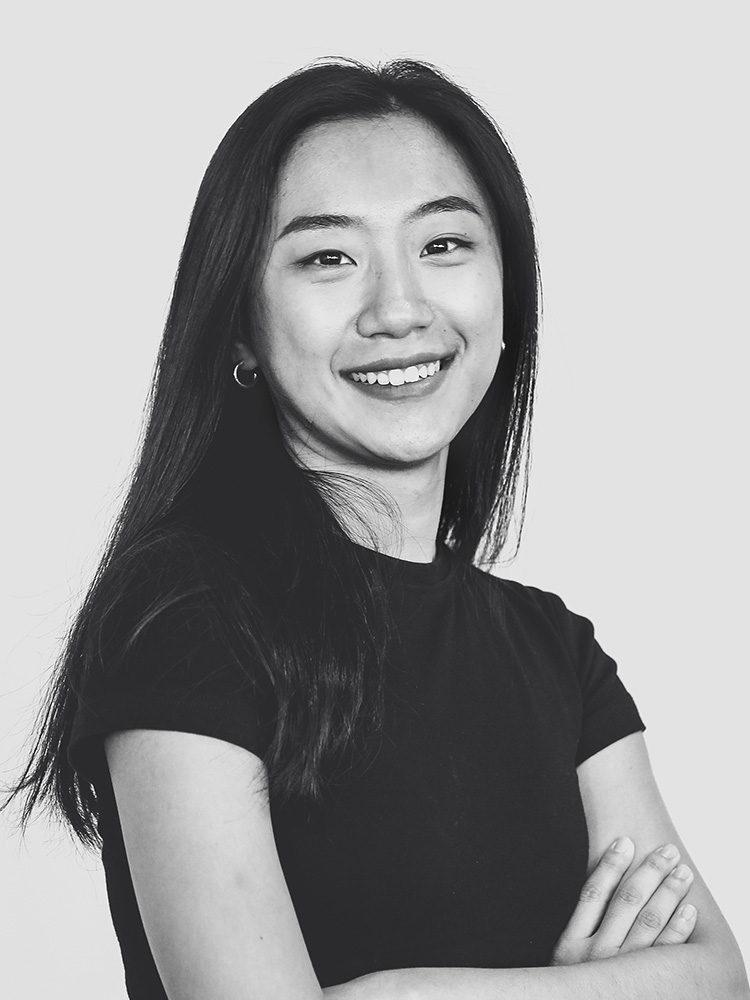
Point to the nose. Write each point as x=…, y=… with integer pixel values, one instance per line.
x=394, y=304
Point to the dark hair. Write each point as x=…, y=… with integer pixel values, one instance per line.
x=214, y=480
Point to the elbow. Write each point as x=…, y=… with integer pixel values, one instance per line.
x=739, y=987
x=736, y=973
x=729, y=979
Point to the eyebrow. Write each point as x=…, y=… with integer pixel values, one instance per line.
x=304, y=223
x=452, y=203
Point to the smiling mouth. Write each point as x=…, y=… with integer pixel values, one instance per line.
x=400, y=376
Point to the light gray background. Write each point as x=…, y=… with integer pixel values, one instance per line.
x=629, y=125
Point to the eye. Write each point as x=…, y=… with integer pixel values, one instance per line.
x=444, y=245
x=327, y=258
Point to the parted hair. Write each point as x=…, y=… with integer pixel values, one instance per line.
x=261, y=540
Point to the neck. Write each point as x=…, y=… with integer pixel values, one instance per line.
x=417, y=494
x=407, y=528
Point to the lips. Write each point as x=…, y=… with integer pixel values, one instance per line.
x=397, y=371
x=398, y=376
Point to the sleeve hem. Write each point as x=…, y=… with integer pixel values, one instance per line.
x=153, y=709
x=605, y=737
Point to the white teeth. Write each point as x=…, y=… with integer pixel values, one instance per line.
x=398, y=376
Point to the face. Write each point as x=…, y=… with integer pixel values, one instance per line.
x=381, y=302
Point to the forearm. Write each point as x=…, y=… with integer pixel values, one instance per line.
x=681, y=972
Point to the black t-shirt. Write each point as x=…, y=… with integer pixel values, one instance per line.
x=463, y=842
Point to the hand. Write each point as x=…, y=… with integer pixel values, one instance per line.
x=621, y=910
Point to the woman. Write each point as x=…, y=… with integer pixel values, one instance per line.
x=324, y=754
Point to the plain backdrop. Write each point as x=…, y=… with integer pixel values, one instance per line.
x=628, y=121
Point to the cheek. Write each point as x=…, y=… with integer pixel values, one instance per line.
x=293, y=337
x=472, y=297
x=478, y=316
x=296, y=353
x=489, y=312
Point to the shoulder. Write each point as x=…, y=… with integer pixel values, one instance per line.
x=540, y=623
x=172, y=586
x=167, y=557
x=527, y=603
x=560, y=644
x=169, y=646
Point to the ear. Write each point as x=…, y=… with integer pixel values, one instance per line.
x=245, y=354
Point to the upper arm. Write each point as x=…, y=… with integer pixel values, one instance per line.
x=207, y=878
x=621, y=798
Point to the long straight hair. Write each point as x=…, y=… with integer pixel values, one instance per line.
x=214, y=480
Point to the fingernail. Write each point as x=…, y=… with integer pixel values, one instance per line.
x=622, y=845
x=682, y=872
x=688, y=911
x=668, y=851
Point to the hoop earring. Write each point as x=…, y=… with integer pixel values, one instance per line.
x=236, y=374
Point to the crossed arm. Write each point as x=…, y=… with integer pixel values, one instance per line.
x=220, y=921
x=633, y=902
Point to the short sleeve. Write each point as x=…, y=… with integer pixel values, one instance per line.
x=608, y=712
x=167, y=657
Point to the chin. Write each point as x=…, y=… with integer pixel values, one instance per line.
x=409, y=454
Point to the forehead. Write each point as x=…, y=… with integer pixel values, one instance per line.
x=371, y=166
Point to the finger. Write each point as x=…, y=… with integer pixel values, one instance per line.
x=659, y=909
x=635, y=890
x=680, y=927
x=598, y=889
